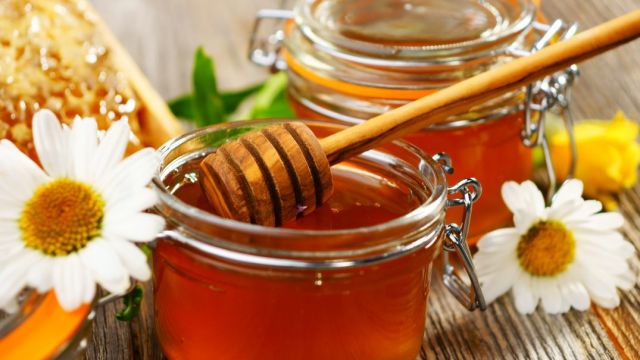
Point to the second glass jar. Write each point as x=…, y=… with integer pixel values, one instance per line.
x=352, y=60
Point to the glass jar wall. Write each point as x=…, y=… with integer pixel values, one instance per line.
x=40, y=329
x=352, y=60
x=334, y=284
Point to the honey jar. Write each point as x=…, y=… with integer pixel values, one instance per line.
x=351, y=60
x=41, y=329
x=349, y=280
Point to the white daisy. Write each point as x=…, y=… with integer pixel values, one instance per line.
x=73, y=224
x=564, y=255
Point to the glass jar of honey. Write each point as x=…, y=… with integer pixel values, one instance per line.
x=349, y=280
x=41, y=329
x=351, y=60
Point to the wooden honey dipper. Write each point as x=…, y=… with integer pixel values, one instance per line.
x=271, y=176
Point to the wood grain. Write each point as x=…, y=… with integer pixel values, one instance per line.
x=266, y=177
x=161, y=35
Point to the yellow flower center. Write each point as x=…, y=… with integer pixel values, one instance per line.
x=546, y=249
x=61, y=217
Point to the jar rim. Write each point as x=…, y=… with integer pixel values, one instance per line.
x=435, y=202
x=321, y=31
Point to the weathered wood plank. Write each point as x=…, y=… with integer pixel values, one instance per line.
x=500, y=332
x=608, y=83
x=110, y=338
x=623, y=322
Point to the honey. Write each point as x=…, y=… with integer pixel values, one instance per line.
x=354, y=195
x=375, y=312
x=491, y=152
x=353, y=60
x=349, y=280
x=52, y=56
x=41, y=329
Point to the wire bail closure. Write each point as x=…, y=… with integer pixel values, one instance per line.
x=265, y=50
x=469, y=295
x=551, y=93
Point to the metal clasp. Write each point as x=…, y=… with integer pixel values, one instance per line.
x=264, y=49
x=551, y=93
x=456, y=241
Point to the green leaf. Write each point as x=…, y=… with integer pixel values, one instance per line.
x=207, y=104
x=217, y=138
x=271, y=100
x=182, y=107
x=231, y=100
x=146, y=249
x=132, y=302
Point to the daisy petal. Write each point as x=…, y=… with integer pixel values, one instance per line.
x=125, y=206
x=131, y=174
x=626, y=280
x=83, y=146
x=11, y=213
x=550, y=296
x=576, y=294
x=523, y=220
x=569, y=191
x=560, y=211
x=12, y=278
x=525, y=201
x=10, y=250
x=603, y=292
x=512, y=196
x=607, y=302
x=137, y=227
x=68, y=282
x=604, y=259
x=20, y=175
x=499, y=239
x=50, y=143
x=598, y=222
x=132, y=258
x=585, y=209
x=105, y=266
x=111, y=148
x=489, y=263
x=89, y=287
x=498, y=284
x=534, y=201
x=524, y=298
x=39, y=275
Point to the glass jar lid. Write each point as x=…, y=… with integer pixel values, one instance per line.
x=412, y=29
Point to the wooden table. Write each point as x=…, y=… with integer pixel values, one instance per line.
x=162, y=35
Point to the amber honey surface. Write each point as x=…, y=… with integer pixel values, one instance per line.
x=490, y=151
x=211, y=309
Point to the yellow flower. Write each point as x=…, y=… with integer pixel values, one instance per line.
x=608, y=156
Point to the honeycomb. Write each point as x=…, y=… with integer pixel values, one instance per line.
x=52, y=56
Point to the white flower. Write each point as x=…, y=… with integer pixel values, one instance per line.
x=73, y=224
x=564, y=255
